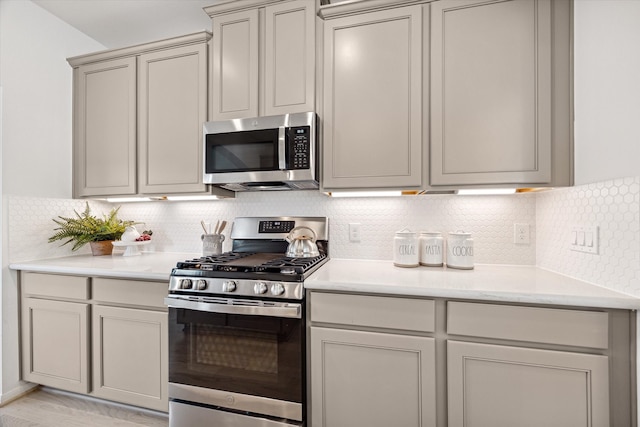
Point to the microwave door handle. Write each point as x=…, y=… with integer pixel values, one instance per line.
x=282, y=157
x=285, y=310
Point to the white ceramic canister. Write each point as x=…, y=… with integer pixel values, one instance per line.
x=405, y=249
x=431, y=248
x=460, y=250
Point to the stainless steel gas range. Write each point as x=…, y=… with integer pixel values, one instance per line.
x=237, y=332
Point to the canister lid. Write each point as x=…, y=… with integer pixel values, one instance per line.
x=405, y=232
x=459, y=234
x=431, y=233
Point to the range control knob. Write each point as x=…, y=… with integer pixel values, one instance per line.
x=277, y=289
x=229, y=286
x=259, y=288
x=201, y=285
x=185, y=284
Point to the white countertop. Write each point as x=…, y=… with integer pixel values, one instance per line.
x=147, y=265
x=522, y=284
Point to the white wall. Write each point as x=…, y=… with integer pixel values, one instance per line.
x=36, y=133
x=607, y=89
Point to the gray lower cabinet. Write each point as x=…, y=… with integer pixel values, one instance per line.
x=506, y=386
x=130, y=342
x=372, y=379
x=107, y=338
x=402, y=361
x=54, y=331
x=55, y=343
x=369, y=378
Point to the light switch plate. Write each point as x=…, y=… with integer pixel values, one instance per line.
x=584, y=239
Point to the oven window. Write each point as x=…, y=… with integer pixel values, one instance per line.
x=255, y=355
x=216, y=347
x=242, y=151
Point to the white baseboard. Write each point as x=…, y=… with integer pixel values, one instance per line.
x=22, y=389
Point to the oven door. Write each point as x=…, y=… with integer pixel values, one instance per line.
x=243, y=355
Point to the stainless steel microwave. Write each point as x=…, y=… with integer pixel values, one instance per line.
x=262, y=153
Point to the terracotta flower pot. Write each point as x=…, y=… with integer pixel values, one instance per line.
x=104, y=247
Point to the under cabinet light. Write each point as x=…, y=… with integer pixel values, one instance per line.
x=365, y=193
x=191, y=198
x=127, y=199
x=486, y=191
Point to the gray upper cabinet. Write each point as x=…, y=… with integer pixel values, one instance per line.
x=263, y=58
x=138, y=115
x=372, y=115
x=172, y=105
x=447, y=94
x=289, y=74
x=500, y=93
x=235, y=65
x=104, y=146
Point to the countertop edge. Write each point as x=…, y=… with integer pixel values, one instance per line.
x=92, y=272
x=486, y=296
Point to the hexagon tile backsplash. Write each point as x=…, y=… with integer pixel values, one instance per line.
x=614, y=207
x=176, y=226
x=611, y=205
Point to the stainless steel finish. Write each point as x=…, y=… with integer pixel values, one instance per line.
x=302, y=246
x=182, y=414
x=235, y=306
x=291, y=290
x=247, y=227
x=259, y=288
x=292, y=179
x=282, y=158
x=277, y=289
x=201, y=285
x=185, y=284
x=228, y=286
x=236, y=401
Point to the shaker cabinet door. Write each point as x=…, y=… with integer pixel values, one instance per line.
x=373, y=100
x=130, y=356
x=235, y=63
x=491, y=92
x=172, y=105
x=289, y=85
x=370, y=379
x=55, y=344
x=503, y=386
x=105, y=128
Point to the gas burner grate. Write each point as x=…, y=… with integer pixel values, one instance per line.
x=232, y=262
x=213, y=259
x=288, y=265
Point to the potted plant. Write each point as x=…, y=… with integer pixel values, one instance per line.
x=86, y=228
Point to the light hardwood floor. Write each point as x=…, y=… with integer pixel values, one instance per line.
x=45, y=407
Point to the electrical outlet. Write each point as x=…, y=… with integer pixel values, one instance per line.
x=354, y=232
x=521, y=234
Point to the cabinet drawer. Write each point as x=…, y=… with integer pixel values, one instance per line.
x=130, y=292
x=55, y=285
x=534, y=324
x=373, y=311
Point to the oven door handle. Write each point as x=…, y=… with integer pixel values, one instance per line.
x=289, y=310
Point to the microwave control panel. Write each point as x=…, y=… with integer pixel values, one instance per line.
x=298, y=147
